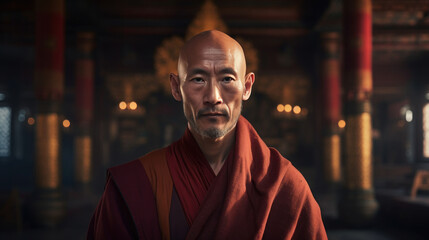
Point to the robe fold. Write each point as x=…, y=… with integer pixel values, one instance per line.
x=258, y=194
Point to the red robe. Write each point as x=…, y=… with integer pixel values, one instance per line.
x=257, y=194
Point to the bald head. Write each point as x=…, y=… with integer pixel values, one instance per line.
x=213, y=43
x=212, y=83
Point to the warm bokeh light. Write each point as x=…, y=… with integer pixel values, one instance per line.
x=133, y=105
x=31, y=121
x=288, y=108
x=280, y=108
x=66, y=123
x=122, y=105
x=342, y=124
x=297, y=109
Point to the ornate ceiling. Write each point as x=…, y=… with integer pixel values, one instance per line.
x=283, y=34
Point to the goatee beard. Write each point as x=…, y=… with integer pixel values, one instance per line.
x=214, y=133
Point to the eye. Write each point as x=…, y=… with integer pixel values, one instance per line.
x=228, y=79
x=197, y=80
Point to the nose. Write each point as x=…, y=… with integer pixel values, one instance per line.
x=212, y=94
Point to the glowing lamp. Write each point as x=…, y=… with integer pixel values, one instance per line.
x=66, y=123
x=122, y=105
x=288, y=108
x=133, y=105
x=297, y=109
x=31, y=121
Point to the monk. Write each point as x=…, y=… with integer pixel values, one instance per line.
x=220, y=180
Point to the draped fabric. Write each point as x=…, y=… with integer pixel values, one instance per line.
x=127, y=209
x=191, y=173
x=257, y=194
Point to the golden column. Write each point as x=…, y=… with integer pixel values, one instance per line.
x=48, y=205
x=358, y=205
x=84, y=93
x=330, y=76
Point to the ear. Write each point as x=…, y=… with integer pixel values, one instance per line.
x=175, y=87
x=248, y=83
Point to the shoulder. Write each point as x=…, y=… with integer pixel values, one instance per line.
x=153, y=159
x=149, y=159
x=156, y=169
x=292, y=180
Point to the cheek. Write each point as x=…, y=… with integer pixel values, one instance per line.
x=234, y=92
x=190, y=103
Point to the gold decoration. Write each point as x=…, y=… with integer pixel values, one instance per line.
x=284, y=88
x=47, y=151
x=83, y=159
x=166, y=59
x=131, y=87
x=207, y=19
x=167, y=55
x=331, y=161
x=358, y=152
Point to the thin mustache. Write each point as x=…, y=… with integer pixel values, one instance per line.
x=211, y=110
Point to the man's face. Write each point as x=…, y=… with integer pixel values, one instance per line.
x=212, y=88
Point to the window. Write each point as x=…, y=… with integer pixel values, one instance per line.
x=5, y=131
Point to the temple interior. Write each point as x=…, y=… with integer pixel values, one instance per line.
x=341, y=91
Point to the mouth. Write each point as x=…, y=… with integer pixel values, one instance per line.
x=213, y=114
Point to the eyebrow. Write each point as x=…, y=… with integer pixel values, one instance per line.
x=228, y=70
x=200, y=71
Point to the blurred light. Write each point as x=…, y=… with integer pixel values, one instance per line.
x=31, y=121
x=427, y=96
x=409, y=116
x=133, y=105
x=297, y=109
x=2, y=96
x=122, y=105
x=66, y=123
x=342, y=124
x=288, y=108
x=404, y=109
x=280, y=108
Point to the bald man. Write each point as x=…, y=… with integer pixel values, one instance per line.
x=220, y=180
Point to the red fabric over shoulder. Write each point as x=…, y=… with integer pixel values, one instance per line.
x=127, y=209
x=257, y=194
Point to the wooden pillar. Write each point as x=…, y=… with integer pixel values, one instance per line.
x=84, y=107
x=330, y=77
x=358, y=205
x=49, y=206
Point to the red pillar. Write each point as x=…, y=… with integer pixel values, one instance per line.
x=358, y=205
x=49, y=207
x=84, y=93
x=330, y=77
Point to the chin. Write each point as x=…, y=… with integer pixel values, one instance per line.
x=214, y=133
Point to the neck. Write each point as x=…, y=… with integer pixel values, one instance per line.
x=215, y=150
